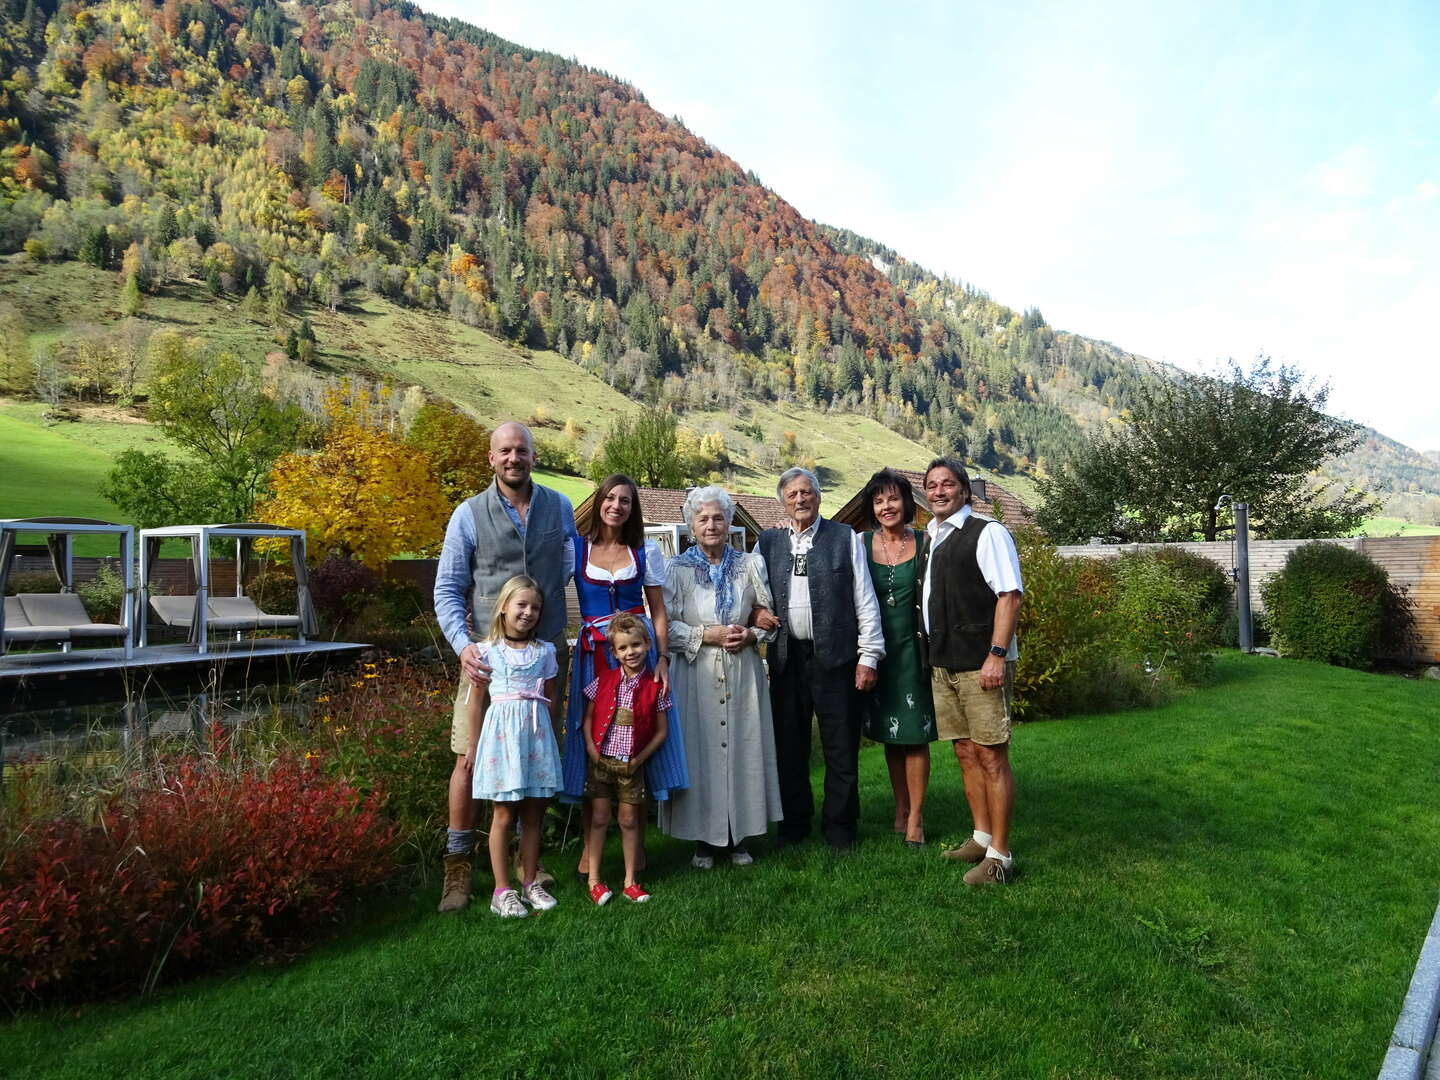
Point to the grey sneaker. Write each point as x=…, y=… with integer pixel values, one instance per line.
x=537, y=897
x=990, y=872
x=508, y=905
x=969, y=851
x=704, y=857
x=741, y=857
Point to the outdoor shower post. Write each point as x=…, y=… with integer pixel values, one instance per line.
x=1242, y=576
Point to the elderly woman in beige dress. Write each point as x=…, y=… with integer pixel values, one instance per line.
x=717, y=681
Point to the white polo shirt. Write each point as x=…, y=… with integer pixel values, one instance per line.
x=995, y=553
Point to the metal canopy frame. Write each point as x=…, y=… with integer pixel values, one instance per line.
x=201, y=535
x=68, y=529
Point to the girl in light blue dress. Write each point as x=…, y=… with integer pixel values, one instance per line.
x=513, y=758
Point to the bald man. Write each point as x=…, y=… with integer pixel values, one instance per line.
x=515, y=526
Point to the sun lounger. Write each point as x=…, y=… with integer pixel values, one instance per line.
x=178, y=611
x=19, y=629
x=66, y=610
x=226, y=614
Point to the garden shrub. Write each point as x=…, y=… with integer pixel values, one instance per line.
x=34, y=581
x=340, y=587
x=104, y=594
x=203, y=865
x=1166, y=610
x=1327, y=603
x=1068, y=655
x=272, y=587
x=1213, y=592
x=1399, y=637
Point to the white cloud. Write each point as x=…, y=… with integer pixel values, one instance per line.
x=1350, y=174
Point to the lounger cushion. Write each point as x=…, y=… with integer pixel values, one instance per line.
x=174, y=610
x=64, y=610
x=227, y=612
x=14, y=613
x=35, y=633
x=18, y=628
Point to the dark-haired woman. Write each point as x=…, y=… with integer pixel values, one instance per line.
x=900, y=713
x=617, y=569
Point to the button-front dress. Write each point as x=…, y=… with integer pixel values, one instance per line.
x=729, y=738
x=900, y=710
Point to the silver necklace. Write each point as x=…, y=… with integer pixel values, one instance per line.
x=890, y=583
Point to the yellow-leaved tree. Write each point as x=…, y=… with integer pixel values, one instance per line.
x=366, y=494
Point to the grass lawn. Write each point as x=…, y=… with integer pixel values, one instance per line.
x=1236, y=885
x=44, y=473
x=577, y=489
x=1385, y=526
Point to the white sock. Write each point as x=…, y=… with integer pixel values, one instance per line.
x=982, y=838
x=1005, y=860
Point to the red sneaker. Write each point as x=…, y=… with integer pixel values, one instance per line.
x=636, y=893
x=600, y=893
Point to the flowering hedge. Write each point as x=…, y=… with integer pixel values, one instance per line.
x=199, y=865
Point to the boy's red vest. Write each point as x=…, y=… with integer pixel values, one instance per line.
x=647, y=693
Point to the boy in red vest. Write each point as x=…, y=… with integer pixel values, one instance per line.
x=625, y=722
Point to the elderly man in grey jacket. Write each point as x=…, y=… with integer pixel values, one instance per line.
x=824, y=657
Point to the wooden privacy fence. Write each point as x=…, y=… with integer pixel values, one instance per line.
x=1411, y=561
x=173, y=577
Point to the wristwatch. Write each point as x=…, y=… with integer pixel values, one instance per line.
x=998, y=650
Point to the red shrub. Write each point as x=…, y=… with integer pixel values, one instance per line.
x=207, y=866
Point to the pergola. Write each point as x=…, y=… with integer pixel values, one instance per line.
x=204, y=615
x=59, y=533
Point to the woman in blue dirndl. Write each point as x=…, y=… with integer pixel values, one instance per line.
x=617, y=569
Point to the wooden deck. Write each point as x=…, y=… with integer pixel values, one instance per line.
x=97, y=663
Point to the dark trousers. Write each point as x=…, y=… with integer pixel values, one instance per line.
x=797, y=692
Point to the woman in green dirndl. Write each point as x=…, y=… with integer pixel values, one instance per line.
x=899, y=713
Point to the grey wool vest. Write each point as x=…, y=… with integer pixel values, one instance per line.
x=500, y=554
x=832, y=594
x=962, y=604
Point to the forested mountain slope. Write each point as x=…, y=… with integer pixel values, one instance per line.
x=292, y=157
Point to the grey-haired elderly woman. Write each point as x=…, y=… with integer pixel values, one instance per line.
x=717, y=681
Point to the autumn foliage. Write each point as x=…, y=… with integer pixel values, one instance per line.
x=199, y=865
x=366, y=494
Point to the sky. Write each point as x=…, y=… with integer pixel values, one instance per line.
x=1192, y=182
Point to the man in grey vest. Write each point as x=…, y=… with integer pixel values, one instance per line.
x=969, y=603
x=825, y=655
x=514, y=526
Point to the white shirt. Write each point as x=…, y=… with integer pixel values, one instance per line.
x=654, y=568
x=995, y=553
x=799, y=622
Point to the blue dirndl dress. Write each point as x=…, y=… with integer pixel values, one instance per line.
x=600, y=600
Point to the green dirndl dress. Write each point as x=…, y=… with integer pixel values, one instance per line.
x=899, y=710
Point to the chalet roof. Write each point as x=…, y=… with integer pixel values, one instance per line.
x=765, y=509
x=997, y=503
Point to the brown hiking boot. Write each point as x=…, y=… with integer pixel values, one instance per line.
x=456, y=892
x=969, y=851
x=990, y=872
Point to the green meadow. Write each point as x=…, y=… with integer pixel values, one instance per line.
x=1233, y=885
